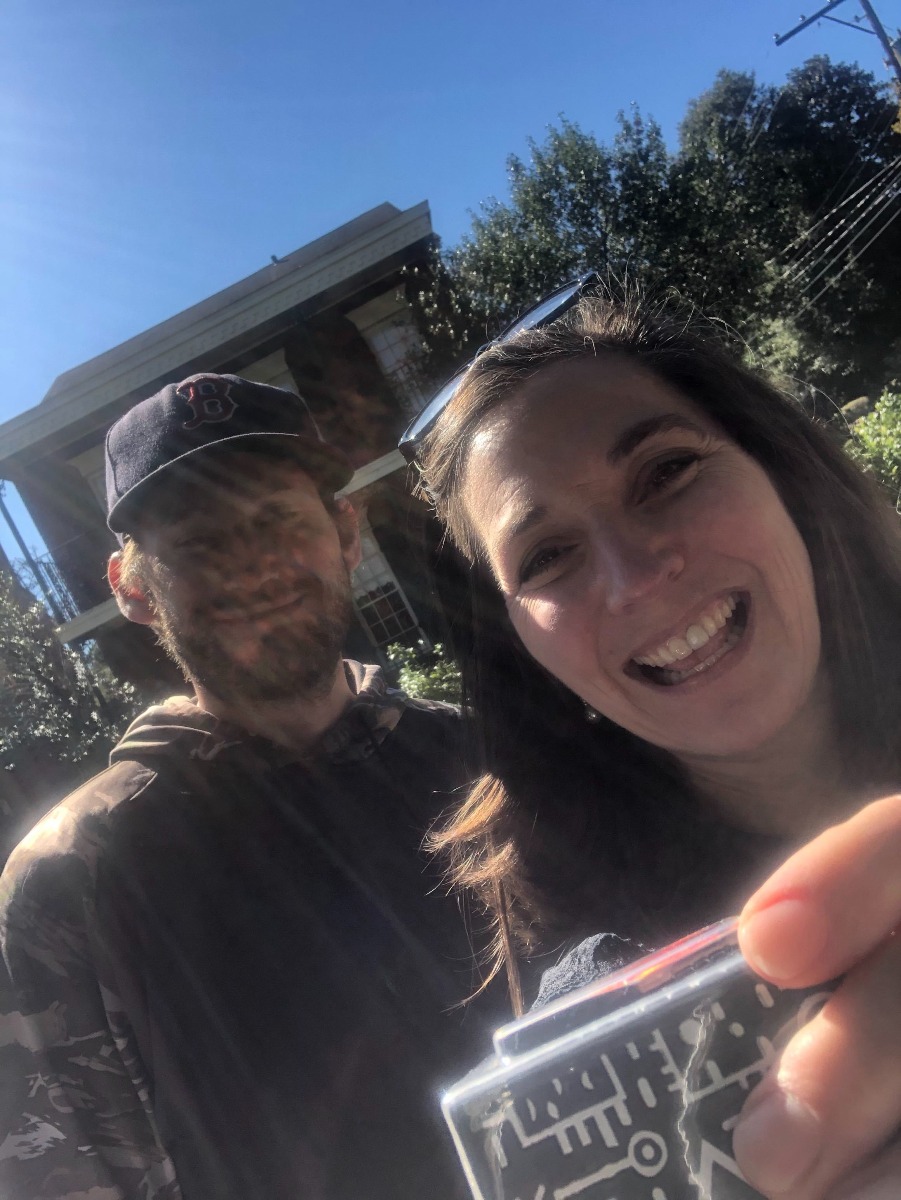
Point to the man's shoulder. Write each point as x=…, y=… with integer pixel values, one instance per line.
x=68, y=840
x=440, y=710
x=431, y=720
x=428, y=748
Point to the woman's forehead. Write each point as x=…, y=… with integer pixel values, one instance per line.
x=581, y=406
x=570, y=428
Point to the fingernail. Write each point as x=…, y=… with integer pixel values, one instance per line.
x=784, y=939
x=776, y=1142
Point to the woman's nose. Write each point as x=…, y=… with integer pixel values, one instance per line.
x=633, y=567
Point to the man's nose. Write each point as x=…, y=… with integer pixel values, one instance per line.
x=253, y=556
x=633, y=565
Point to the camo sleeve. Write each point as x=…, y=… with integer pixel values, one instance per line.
x=75, y=1115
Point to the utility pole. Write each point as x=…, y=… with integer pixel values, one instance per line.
x=894, y=60
x=779, y=39
x=893, y=55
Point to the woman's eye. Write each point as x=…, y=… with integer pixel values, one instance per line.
x=542, y=561
x=664, y=473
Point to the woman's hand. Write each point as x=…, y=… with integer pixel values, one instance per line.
x=823, y=1124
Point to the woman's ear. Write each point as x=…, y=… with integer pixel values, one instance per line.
x=133, y=603
x=348, y=532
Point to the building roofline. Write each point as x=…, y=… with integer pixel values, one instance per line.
x=202, y=328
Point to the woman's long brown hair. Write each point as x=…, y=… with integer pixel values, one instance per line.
x=576, y=827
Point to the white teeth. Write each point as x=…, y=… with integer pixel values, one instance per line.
x=697, y=636
x=678, y=647
x=694, y=638
x=672, y=677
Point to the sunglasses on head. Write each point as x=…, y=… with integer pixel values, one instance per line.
x=545, y=312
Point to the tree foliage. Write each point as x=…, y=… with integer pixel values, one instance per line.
x=52, y=709
x=876, y=443
x=426, y=674
x=760, y=217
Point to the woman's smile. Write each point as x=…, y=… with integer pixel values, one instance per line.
x=702, y=644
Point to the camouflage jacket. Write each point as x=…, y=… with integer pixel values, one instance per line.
x=231, y=972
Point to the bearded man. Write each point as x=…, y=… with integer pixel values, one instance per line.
x=230, y=970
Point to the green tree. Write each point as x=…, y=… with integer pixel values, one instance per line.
x=575, y=206
x=762, y=207
x=803, y=175
x=51, y=709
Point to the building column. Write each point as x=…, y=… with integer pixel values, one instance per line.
x=273, y=369
x=387, y=326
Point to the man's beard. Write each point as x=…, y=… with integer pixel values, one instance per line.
x=293, y=660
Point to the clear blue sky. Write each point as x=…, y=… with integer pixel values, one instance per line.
x=155, y=152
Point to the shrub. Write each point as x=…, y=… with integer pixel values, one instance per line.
x=876, y=442
x=427, y=674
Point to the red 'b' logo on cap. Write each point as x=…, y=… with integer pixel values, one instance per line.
x=208, y=397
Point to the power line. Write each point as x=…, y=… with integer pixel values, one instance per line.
x=885, y=198
x=857, y=158
x=744, y=108
x=832, y=242
x=854, y=257
x=800, y=265
x=851, y=261
x=847, y=200
x=767, y=122
x=761, y=119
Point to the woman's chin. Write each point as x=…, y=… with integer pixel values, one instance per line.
x=730, y=716
x=743, y=725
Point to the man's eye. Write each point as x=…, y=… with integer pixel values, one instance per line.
x=666, y=472
x=197, y=541
x=284, y=522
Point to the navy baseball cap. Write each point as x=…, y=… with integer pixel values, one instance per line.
x=203, y=411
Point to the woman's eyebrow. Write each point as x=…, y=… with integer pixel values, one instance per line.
x=631, y=439
x=532, y=516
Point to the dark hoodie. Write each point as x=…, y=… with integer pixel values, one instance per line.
x=230, y=971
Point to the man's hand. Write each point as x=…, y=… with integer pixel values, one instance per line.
x=822, y=1125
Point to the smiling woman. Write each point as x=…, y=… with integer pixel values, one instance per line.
x=658, y=534
x=662, y=543
x=612, y=549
